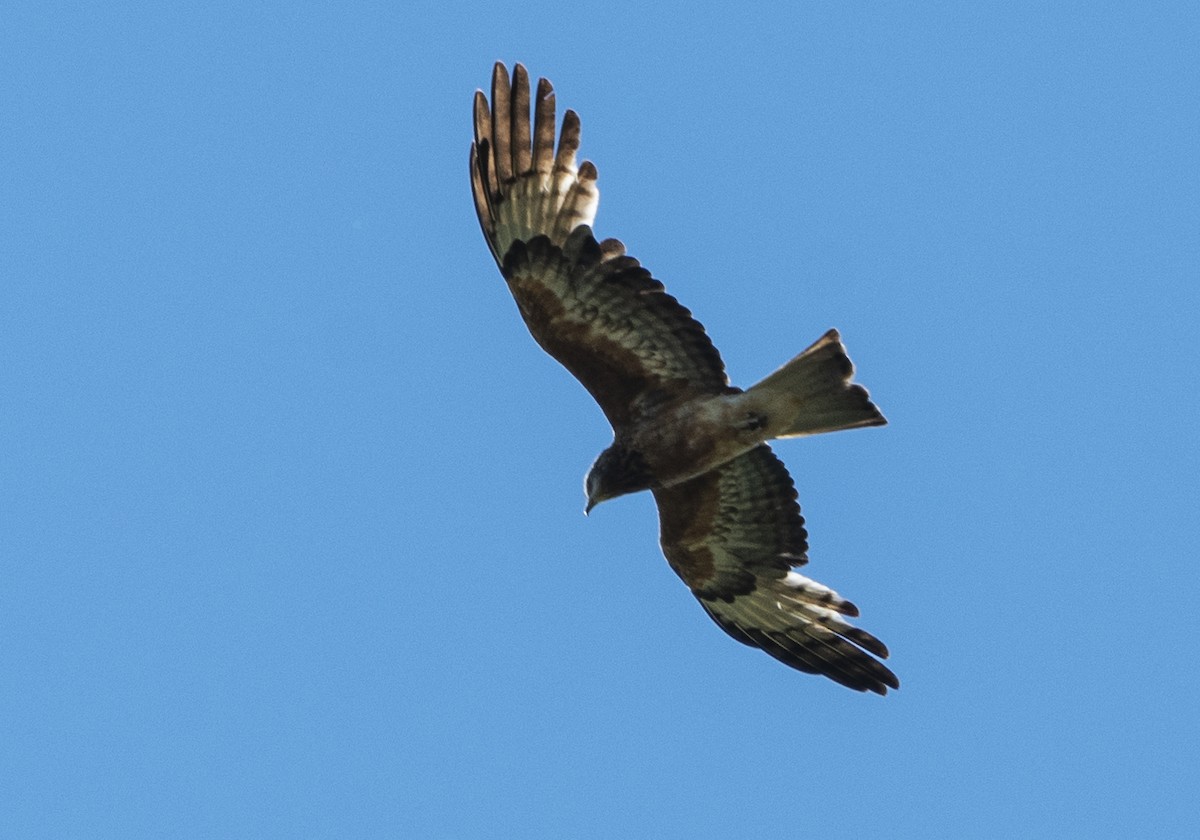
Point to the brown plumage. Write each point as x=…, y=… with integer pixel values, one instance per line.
x=730, y=524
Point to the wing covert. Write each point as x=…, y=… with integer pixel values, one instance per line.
x=611, y=324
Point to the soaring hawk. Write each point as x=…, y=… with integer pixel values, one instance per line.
x=729, y=523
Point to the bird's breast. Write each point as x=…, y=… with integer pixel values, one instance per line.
x=688, y=439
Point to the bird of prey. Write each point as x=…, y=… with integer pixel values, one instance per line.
x=730, y=525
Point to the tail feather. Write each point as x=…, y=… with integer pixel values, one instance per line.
x=817, y=389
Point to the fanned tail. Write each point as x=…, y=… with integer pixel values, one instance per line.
x=813, y=393
x=523, y=187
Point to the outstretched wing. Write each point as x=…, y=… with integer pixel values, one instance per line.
x=596, y=310
x=734, y=535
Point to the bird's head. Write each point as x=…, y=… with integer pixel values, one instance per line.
x=617, y=471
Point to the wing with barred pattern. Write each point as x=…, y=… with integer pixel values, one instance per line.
x=735, y=536
x=589, y=305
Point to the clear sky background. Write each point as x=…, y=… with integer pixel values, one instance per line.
x=291, y=531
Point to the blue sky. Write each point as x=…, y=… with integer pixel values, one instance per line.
x=290, y=503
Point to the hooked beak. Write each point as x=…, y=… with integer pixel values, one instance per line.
x=591, y=503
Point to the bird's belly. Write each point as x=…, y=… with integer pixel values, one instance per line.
x=693, y=438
